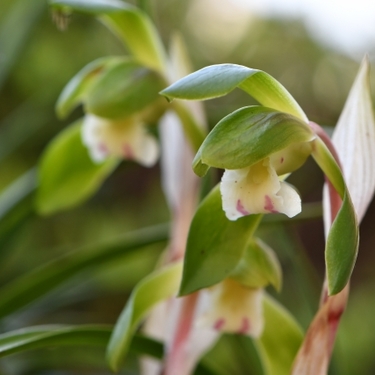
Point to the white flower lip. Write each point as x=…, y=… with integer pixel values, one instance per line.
x=127, y=139
x=257, y=189
x=232, y=307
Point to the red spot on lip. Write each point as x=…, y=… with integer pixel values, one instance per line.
x=219, y=324
x=128, y=151
x=245, y=327
x=103, y=148
x=241, y=209
x=268, y=206
x=282, y=160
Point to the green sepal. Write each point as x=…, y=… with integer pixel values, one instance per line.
x=218, y=80
x=280, y=340
x=123, y=89
x=158, y=286
x=343, y=237
x=67, y=176
x=251, y=134
x=76, y=89
x=215, y=245
x=199, y=168
x=258, y=267
x=129, y=23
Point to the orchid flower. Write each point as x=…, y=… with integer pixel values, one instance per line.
x=232, y=307
x=123, y=138
x=354, y=140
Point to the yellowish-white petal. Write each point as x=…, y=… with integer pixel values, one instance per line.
x=232, y=307
x=257, y=189
x=126, y=138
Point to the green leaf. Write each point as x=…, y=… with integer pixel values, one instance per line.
x=130, y=24
x=215, y=244
x=76, y=89
x=258, y=267
x=31, y=286
x=218, y=80
x=123, y=89
x=280, y=339
x=343, y=238
x=62, y=335
x=158, y=286
x=67, y=176
x=249, y=135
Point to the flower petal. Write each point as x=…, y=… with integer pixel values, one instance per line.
x=354, y=139
x=232, y=307
x=127, y=139
x=257, y=189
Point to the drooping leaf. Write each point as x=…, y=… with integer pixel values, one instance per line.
x=259, y=266
x=218, y=80
x=215, y=244
x=343, y=237
x=250, y=134
x=77, y=88
x=130, y=24
x=67, y=176
x=37, y=283
x=280, y=340
x=160, y=285
x=123, y=89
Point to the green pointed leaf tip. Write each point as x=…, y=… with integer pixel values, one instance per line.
x=258, y=267
x=129, y=23
x=67, y=176
x=343, y=237
x=76, y=89
x=123, y=89
x=215, y=244
x=250, y=134
x=218, y=80
x=156, y=287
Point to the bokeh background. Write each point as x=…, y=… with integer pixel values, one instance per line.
x=313, y=48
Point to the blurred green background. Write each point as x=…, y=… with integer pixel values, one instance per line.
x=37, y=60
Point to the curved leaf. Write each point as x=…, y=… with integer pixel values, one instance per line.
x=218, y=80
x=215, y=244
x=343, y=237
x=160, y=285
x=67, y=176
x=123, y=89
x=250, y=134
x=130, y=24
x=280, y=340
x=76, y=89
x=37, y=283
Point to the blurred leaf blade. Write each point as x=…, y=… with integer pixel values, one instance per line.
x=158, y=286
x=67, y=175
x=37, y=283
x=129, y=23
x=280, y=340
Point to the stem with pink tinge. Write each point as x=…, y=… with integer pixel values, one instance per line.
x=314, y=355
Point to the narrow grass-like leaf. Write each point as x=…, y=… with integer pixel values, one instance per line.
x=77, y=88
x=158, y=286
x=130, y=24
x=37, y=283
x=342, y=242
x=249, y=135
x=280, y=339
x=67, y=175
x=215, y=244
x=218, y=80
